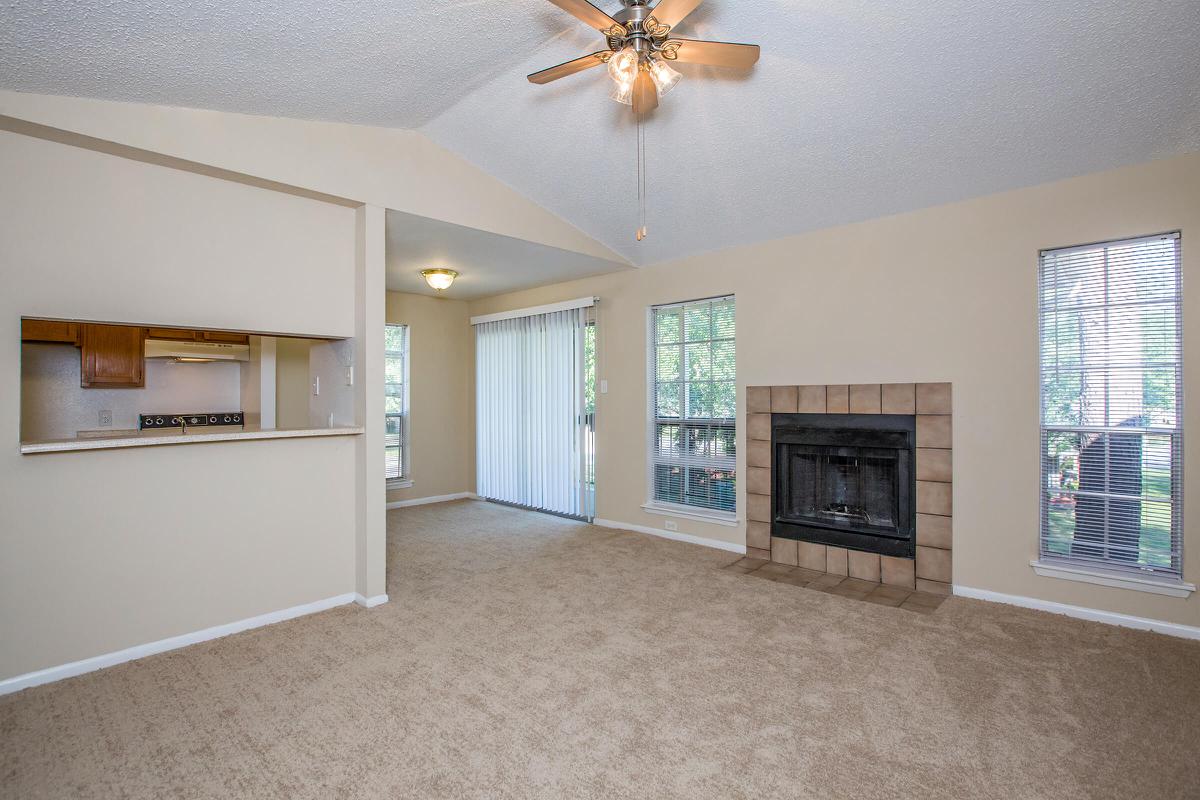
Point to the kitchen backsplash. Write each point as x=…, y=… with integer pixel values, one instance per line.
x=54, y=406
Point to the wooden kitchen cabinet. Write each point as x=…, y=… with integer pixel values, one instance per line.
x=172, y=334
x=221, y=337
x=189, y=335
x=112, y=356
x=49, y=330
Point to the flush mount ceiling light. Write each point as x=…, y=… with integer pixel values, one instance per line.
x=639, y=50
x=439, y=279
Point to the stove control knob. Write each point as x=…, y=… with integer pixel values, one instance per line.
x=158, y=420
x=213, y=419
x=228, y=418
x=174, y=420
x=237, y=417
x=194, y=420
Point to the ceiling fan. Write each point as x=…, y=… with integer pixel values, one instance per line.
x=639, y=49
x=641, y=45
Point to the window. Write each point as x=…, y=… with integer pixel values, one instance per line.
x=693, y=405
x=396, y=402
x=1111, y=393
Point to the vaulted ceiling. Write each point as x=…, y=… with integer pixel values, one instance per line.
x=856, y=109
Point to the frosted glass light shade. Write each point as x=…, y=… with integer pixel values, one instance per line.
x=664, y=76
x=623, y=67
x=622, y=93
x=439, y=279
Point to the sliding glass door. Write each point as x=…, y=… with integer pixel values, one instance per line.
x=533, y=420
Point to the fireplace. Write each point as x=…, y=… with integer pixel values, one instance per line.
x=846, y=480
x=906, y=430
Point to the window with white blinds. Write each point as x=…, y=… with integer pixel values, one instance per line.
x=395, y=403
x=693, y=405
x=1111, y=395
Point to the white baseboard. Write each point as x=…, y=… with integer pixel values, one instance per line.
x=438, y=498
x=370, y=602
x=1080, y=612
x=51, y=674
x=732, y=547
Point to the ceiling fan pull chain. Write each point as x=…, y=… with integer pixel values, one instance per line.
x=641, y=175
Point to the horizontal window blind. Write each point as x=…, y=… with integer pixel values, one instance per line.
x=694, y=404
x=395, y=438
x=1111, y=395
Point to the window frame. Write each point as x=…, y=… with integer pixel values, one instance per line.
x=404, y=478
x=1107, y=571
x=652, y=504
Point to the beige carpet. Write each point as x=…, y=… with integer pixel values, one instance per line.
x=527, y=656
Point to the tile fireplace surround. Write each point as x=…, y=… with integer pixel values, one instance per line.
x=931, y=403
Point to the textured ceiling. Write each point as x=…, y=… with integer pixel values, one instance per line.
x=856, y=109
x=394, y=64
x=488, y=263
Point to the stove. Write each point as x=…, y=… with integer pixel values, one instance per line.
x=207, y=419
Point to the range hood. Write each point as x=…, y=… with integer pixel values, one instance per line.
x=196, y=351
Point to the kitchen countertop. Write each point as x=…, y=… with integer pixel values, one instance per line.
x=150, y=438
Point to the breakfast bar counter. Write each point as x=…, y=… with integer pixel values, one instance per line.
x=152, y=438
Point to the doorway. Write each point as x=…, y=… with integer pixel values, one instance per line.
x=535, y=408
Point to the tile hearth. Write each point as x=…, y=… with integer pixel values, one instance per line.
x=852, y=588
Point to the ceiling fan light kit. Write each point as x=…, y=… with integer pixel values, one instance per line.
x=640, y=47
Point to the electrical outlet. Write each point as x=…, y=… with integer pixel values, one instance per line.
x=349, y=376
x=105, y=419
x=671, y=525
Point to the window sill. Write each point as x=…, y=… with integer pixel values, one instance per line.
x=1170, y=587
x=399, y=483
x=711, y=517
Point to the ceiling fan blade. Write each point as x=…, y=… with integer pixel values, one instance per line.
x=717, y=54
x=587, y=12
x=570, y=67
x=645, y=95
x=672, y=12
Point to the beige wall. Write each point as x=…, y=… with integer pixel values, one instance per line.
x=109, y=549
x=291, y=382
x=386, y=167
x=441, y=387
x=942, y=294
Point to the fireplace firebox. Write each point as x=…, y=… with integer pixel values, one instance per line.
x=846, y=480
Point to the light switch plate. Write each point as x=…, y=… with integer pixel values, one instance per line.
x=603, y=387
x=105, y=419
x=671, y=525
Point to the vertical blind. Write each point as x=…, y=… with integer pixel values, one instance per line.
x=395, y=403
x=1111, y=394
x=530, y=411
x=694, y=404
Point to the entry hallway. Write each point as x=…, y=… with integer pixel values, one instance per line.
x=524, y=655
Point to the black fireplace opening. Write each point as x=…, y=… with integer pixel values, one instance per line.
x=846, y=480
